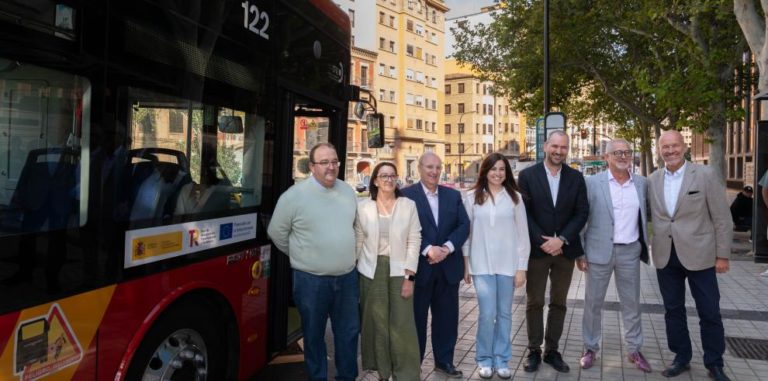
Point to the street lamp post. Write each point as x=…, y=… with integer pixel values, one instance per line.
x=461, y=149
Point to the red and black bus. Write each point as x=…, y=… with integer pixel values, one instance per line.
x=143, y=146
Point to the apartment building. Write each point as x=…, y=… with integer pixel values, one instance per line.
x=477, y=122
x=409, y=76
x=359, y=158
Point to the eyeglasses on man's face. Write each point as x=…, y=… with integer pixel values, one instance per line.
x=387, y=177
x=625, y=153
x=325, y=163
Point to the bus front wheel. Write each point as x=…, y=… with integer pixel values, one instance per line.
x=183, y=344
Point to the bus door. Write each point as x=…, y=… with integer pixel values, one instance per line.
x=307, y=123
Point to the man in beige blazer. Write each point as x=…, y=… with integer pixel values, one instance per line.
x=692, y=234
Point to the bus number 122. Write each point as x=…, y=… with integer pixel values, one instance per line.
x=250, y=9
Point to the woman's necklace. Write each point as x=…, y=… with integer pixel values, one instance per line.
x=385, y=206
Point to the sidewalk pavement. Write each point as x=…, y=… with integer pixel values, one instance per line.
x=743, y=303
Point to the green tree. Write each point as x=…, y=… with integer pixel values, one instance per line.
x=643, y=65
x=227, y=158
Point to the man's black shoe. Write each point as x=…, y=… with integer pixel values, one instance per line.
x=449, y=371
x=675, y=369
x=555, y=359
x=716, y=373
x=533, y=361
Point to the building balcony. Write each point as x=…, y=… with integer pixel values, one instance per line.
x=363, y=82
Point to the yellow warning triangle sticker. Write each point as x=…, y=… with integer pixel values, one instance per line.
x=45, y=345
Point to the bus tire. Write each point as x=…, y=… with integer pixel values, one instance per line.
x=185, y=343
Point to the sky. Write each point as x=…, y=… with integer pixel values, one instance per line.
x=464, y=7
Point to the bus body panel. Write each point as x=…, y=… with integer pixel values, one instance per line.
x=121, y=330
x=91, y=328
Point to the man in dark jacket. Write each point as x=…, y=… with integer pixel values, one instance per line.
x=556, y=202
x=741, y=210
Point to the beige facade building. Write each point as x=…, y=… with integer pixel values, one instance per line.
x=409, y=74
x=477, y=122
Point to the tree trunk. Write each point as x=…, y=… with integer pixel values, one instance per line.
x=752, y=25
x=715, y=136
x=657, y=133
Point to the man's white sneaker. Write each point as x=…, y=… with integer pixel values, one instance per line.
x=504, y=373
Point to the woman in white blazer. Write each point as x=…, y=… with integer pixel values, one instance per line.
x=388, y=236
x=496, y=259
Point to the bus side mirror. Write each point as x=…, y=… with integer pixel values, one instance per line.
x=375, y=130
x=230, y=124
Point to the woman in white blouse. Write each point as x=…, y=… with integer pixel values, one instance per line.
x=388, y=236
x=496, y=259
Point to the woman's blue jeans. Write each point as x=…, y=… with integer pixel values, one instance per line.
x=494, y=298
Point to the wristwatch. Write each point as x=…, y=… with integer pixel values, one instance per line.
x=410, y=277
x=562, y=238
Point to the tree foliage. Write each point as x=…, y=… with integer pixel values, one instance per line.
x=642, y=65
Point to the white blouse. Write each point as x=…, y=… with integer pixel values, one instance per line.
x=498, y=242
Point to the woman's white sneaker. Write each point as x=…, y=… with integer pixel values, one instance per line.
x=485, y=372
x=504, y=373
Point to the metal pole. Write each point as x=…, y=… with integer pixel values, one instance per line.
x=546, y=57
x=461, y=150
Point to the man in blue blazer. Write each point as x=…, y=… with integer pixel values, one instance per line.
x=444, y=228
x=556, y=203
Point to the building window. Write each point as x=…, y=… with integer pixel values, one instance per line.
x=461, y=88
x=418, y=124
x=392, y=46
x=409, y=25
x=391, y=96
x=381, y=68
x=477, y=88
x=176, y=122
x=461, y=108
x=477, y=108
x=364, y=75
x=382, y=43
x=447, y=129
x=381, y=94
x=382, y=17
x=409, y=50
x=392, y=72
x=409, y=74
x=447, y=89
x=461, y=148
x=392, y=21
x=448, y=149
x=420, y=29
x=461, y=128
x=447, y=109
x=418, y=53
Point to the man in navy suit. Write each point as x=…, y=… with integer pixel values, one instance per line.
x=444, y=228
x=556, y=202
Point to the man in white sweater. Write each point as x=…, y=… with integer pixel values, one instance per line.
x=313, y=223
